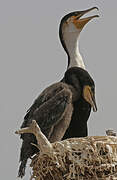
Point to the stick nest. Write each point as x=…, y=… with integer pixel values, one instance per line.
x=79, y=159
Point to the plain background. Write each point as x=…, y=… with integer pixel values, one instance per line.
x=32, y=58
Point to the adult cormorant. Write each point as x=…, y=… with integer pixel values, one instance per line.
x=70, y=27
x=65, y=103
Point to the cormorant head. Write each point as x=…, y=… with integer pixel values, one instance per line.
x=73, y=22
x=70, y=27
x=80, y=78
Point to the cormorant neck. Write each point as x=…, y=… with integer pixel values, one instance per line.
x=71, y=41
x=75, y=58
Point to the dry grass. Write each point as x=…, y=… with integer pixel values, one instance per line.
x=78, y=158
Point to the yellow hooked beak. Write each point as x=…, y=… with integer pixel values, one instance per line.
x=89, y=96
x=80, y=23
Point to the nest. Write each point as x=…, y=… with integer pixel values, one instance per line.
x=86, y=158
x=78, y=159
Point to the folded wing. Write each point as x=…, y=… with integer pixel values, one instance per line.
x=50, y=112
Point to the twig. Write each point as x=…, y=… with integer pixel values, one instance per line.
x=44, y=145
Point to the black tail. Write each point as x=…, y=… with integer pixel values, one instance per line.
x=22, y=168
x=24, y=155
x=27, y=150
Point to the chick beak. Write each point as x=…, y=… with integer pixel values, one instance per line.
x=80, y=23
x=89, y=96
x=93, y=102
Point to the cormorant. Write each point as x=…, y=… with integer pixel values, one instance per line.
x=53, y=110
x=70, y=27
x=67, y=103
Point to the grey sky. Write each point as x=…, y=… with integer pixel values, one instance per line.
x=31, y=58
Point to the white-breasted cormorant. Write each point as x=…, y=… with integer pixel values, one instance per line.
x=70, y=27
x=58, y=106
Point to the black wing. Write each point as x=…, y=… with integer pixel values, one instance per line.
x=48, y=109
x=51, y=111
x=49, y=106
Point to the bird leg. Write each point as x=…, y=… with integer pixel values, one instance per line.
x=44, y=145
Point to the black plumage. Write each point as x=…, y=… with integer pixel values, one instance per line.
x=53, y=111
x=80, y=115
x=78, y=125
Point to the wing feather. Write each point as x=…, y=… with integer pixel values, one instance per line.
x=48, y=109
